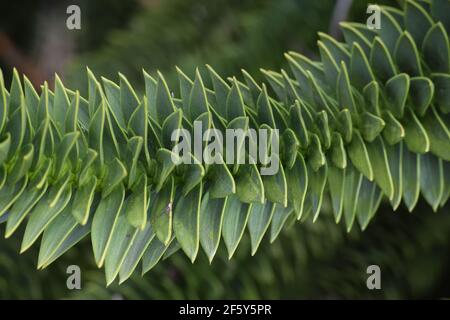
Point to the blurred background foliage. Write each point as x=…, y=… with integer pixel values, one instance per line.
x=309, y=260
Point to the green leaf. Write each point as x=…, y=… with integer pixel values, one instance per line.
x=3, y=175
x=298, y=124
x=330, y=66
x=297, y=185
x=16, y=96
x=173, y=247
x=138, y=126
x=221, y=91
x=10, y=193
x=411, y=178
x=104, y=222
x=372, y=126
x=235, y=219
x=255, y=89
x=87, y=167
x=442, y=92
x=416, y=137
x=417, y=21
x=16, y=127
x=45, y=212
x=4, y=148
x=336, y=186
x=193, y=175
x=436, y=49
x=71, y=121
x=280, y=216
x=344, y=91
x=65, y=147
x=393, y=131
x=31, y=100
x=83, y=199
x=55, y=234
x=360, y=71
x=116, y=173
x=277, y=83
x=94, y=93
x=265, y=114
x=77, y=234
x=133, y=151
x=186, y=226
x=338, y=154
x=186, y=85
x=258, y=222
x=22, y=164
x=275, y=186
x=354, y=36
x=170, y=127
x=306, y=65
x=40, y=141
x=439, y=10
x=164, y=102
x=136, y=207
x=379, y=159
x=95, y=134
x=321, y=100
x=301, y=77
x=153, y=254
x=345, y=125
x=316, y=186
x=431, y=179
x=166, y=165
x=315, y=153
x=160, y=211
x=336, y=49
x=397, y=89
x=323, y=129
x=407, y=56
x=135, y=252
x=371, y=94
x=390, y=31
x=368, y=202
x=359, y=156
x=122, y=238
x=211, y=221
x=3, y=103
x=421, y=94
x=438, y=134
x=221, y=181
x=150, y=93
x=25, y=202
x=112, y=92
x=381, y=61
x=249, y=186
x=395, y=159
x=61, y=105
x=198, y=101
x=235, y=104
x=128, y=98
x=353, y=181
x=289, y=146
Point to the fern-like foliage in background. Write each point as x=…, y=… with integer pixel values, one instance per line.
x=369, y=121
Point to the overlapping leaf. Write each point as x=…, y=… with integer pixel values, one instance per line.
x=369, y=121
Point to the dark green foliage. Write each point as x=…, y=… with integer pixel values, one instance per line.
x=370, y=121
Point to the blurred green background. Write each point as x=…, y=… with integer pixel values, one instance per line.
x=309, y=260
